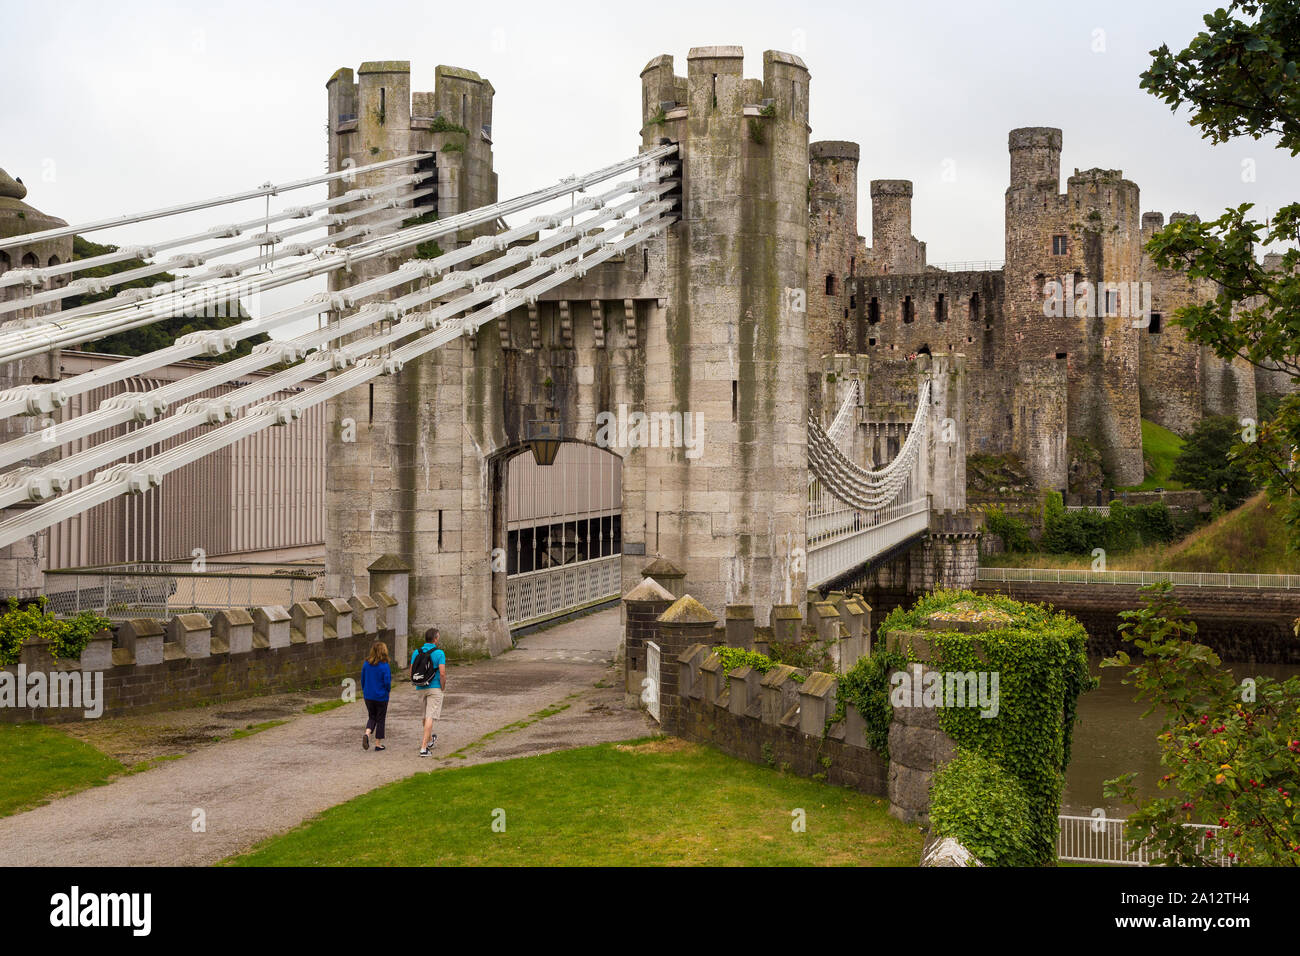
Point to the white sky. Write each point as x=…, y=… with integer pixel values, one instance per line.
x=116, y=107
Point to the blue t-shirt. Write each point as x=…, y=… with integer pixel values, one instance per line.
x=439, y=660
x=376, y=680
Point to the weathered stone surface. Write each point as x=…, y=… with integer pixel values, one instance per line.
x=948, y=852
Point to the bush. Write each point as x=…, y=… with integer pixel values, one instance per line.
x=984, y=808
x=68, y=638
x=1209, y=462
x=1013, y=531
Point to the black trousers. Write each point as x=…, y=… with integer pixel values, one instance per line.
x=378, y=710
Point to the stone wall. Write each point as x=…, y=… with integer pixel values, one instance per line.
x=148, y=665
x=1239, y=624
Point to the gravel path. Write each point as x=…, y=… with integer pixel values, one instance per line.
x=251, y=788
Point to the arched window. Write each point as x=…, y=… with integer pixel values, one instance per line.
x=54, y=261
x=30, y=261
x=5, y=262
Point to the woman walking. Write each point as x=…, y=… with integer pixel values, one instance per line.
x=376, y=682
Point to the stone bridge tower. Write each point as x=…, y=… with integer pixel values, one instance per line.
x=733, y=344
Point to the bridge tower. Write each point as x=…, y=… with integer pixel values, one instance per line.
x=733, y=345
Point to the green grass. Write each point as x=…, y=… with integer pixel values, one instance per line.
x=1250, y=539
x=39, y=763
x=322, y=706
x=649, y=803
x=1160, y=448
x=255, y=729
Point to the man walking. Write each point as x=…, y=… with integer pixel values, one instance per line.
x=429, y=674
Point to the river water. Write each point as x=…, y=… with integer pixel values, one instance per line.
x=1112, y=737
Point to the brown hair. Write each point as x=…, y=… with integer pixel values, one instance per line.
x=378, y=653
x=431, y=636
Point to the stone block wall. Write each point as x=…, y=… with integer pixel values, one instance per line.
x=148, y=665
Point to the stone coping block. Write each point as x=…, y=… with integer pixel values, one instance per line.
x=192, y=633
x=740, y=625
x=365, y=614
x=780, y=692
x=233, y=629
x=744, y=686
x=685, y=612
x=649, y=591
x=142, y=638
x=817, y=702
x=711, y=678
x=338, y=617
x=97, y=655
x=688, y=662
x=309, y=621
x=272, y=624
x=827, y=619
x=786, y=623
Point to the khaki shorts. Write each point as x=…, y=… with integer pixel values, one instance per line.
x=432, y=703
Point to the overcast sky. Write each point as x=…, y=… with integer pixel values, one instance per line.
x=114, y=107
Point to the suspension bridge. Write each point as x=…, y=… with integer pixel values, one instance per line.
x=449, y=342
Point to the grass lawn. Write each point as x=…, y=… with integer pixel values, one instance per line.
x=1160, y=447
x=645, y=803
x=38, y=763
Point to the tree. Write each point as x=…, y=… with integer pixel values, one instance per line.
x=157, y=335
x=1239, y=77
x=1209, y=463
x=1231, y=749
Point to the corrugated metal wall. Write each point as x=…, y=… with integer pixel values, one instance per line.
x=264, y=493
x=584, y=482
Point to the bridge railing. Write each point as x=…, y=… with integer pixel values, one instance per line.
x=1198, y=579
x=535, y=596
x=160, y=589
x=1101, y=840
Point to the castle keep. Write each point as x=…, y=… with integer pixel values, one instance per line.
x=1064, y=345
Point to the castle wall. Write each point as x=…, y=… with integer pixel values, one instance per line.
x=832, y=247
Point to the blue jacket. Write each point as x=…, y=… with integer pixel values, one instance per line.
x=376, y=680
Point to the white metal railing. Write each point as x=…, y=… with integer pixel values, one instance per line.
x=1101, y=840
x=1198, y=579
x=849, y=545
x=535, y=596
x=650, y=685
x=969, y=265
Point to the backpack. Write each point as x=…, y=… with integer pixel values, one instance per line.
x=422, y=669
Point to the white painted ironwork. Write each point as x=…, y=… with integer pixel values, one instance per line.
x=650, y=685
x=854, y=513
x=1101, y=840
x=1196, y=579
x=535, y=596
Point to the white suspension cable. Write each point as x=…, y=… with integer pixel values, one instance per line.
x=166, y=211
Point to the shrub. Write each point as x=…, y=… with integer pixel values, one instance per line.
x=866, y=687
x=68, y=638
x=976, y=802
x=1013, y=531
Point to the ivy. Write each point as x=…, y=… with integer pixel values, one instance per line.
x=67, y=637
x=866, y=687
x=442, y=125
x=984, y=808
x=1040, y=657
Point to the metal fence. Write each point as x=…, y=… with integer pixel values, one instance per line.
x=160, y=589
x=1101, y=840
x=535, y=596
x=650, y=686
x=1197, y=579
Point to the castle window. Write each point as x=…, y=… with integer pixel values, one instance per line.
x=1112, y=302
x=873, y=311
x=909, y=312
x=853, y=262
x=464, y=109
x=871, y=341
x=1154, y=327
x=830, y=285
x=1058, y=245
x=974, y=306
x=30, y=261
x=5, y=262
x=940, y=309
x=1060, y=355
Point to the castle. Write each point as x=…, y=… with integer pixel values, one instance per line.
x=1069, y=344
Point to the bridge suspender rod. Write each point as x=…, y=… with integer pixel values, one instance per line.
x=41, y=399
x=141, y=476
x=55, y=334
x=220, y=270
x=34, y=486
x=177, y=210
x=45, y=273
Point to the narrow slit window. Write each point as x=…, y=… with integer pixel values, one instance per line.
x=1156, y=320
x=909, y=313
x=940, y=309
x=873, y=310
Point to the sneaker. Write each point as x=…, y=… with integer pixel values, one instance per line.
x=433, y=740
x=424, y=752
x=365, y=741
